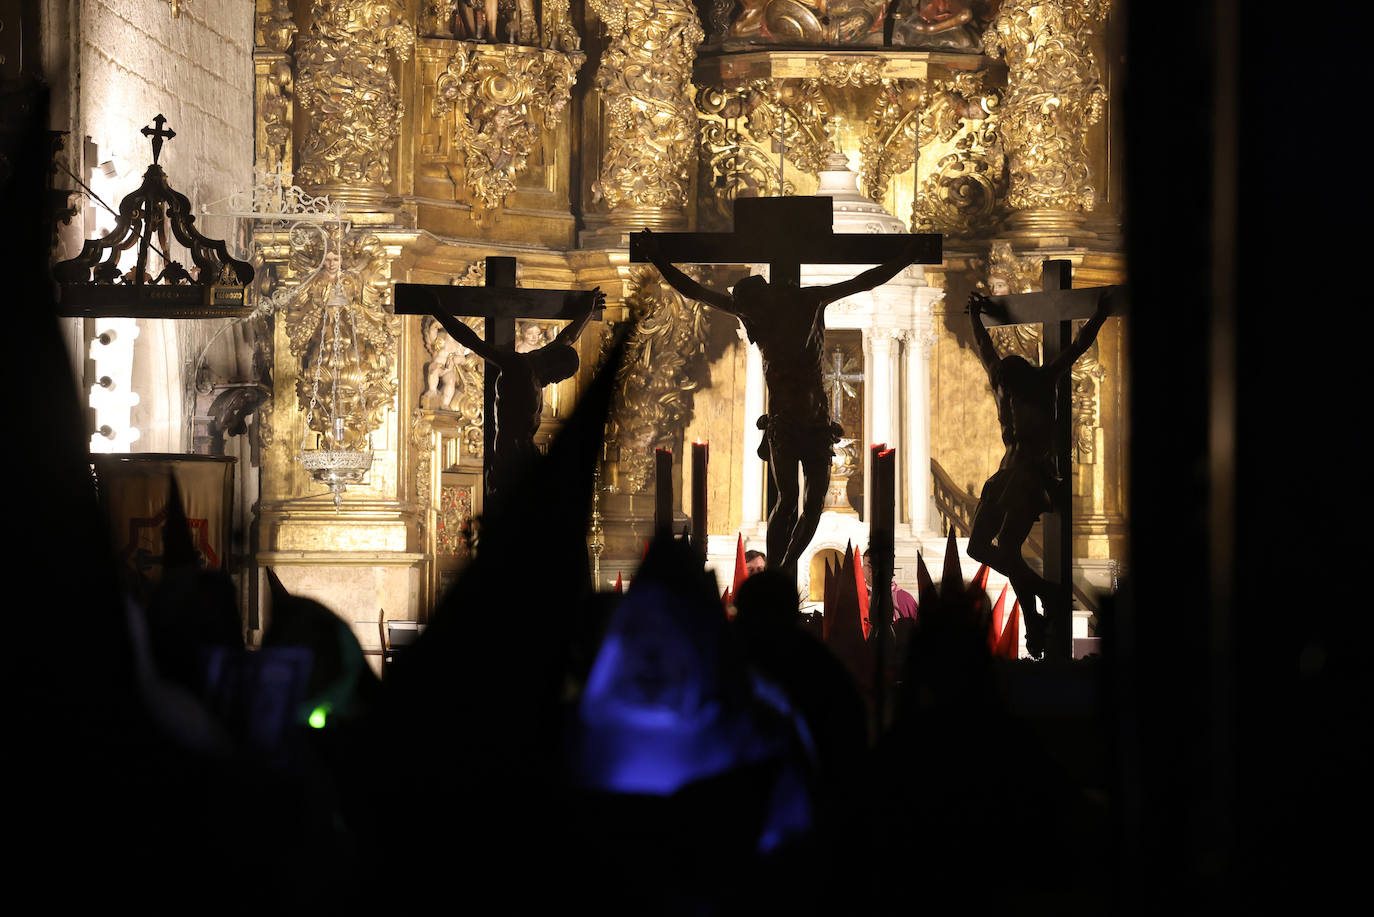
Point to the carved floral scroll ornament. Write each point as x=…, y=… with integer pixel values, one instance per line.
x=661, y=371
x=732, y=162
x=744, y=128
x=650, y=122
x=891, y=140
x=1053, y=96
x=345, y=85
x=964, y=192
x=503, y=97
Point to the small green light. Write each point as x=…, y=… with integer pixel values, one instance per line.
x=317, y=716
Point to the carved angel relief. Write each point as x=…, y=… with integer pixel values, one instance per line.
x=503, y=98
x=454, y=374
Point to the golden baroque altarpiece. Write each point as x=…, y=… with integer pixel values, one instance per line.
x=450, y=130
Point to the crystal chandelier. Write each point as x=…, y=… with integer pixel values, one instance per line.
x=342, y=454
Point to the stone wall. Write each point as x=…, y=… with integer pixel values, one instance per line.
x=133, y=62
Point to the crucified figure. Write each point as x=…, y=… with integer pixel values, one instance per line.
x=787, y=322
x=520, y=382
x=1024, y=485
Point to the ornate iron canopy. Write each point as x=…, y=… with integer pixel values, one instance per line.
x=92, y=284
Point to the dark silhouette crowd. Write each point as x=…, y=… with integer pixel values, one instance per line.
x=539, y=745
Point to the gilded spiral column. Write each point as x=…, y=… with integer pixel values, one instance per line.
x=1053, y=95
x=350, y=98
x=649, y=122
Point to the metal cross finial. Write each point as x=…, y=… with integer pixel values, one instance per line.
x=158, y=135
x=838, y=381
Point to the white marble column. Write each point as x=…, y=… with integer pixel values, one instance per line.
x=753, y=483
x=918, y=424
x=880, y=394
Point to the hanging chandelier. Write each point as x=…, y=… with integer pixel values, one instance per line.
x=342, y=451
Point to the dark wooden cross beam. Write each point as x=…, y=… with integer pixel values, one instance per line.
x=1057, y=306
x=500, y=303
x=785, y=233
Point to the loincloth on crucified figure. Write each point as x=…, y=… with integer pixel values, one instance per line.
x=808, y=441
x=1022, y=490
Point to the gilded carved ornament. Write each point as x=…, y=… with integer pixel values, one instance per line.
x=345, y=84
x=1053, y=95
x=455, y=514
x=735, y=165
x=502, y=98
x=358, y=267
x=275, y=25
x=891, y=139
x=646, y=89
x=528, y=23
x=963, y=193
x=797, y=117
x=745, y=128
x=274, y=92
x=662, y=367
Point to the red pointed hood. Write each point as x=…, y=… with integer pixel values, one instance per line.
x=741, y=571
x=998, y=610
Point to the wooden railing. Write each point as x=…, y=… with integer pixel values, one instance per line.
x=956, y=508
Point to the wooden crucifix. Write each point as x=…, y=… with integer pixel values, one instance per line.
x=1034, y=409
x=787, y=322
x=515, y=388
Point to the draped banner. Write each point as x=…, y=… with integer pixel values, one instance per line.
x=134, y=488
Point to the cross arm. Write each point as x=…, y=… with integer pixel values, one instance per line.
x=782, y=248
x=875, y=276
x=493, y=302
x=1053, y=306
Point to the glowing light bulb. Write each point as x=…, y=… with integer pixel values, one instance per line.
x=318, y=716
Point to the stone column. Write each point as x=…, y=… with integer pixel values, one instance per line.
x=918, y=346
x=880, y=407
x=1053, y=95
x=649, y=124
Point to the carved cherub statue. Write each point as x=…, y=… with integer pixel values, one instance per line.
x=443, y=372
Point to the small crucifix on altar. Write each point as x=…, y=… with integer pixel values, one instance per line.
x=787, y=322
x=839, y=382
x=1034, y=410
x=512, y=395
